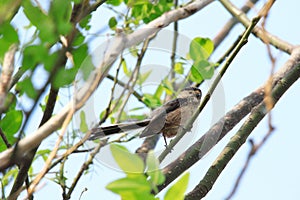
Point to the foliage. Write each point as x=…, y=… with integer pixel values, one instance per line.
x=141, y=179
x=55, y=41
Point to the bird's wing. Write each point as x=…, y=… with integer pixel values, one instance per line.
x=100, y=132
x=158, y=119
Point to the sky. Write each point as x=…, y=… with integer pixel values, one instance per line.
x=273, y=172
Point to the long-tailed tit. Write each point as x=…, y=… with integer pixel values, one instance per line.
x=166, y=119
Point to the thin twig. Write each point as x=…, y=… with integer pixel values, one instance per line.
x=108, y=108
x=257, y=114
x=188, y=125
x=135, y=93
x=257, y=31
x=224, y=32
x=269, y=105
x=84, y=167
x=53, y=153
x=120, y=43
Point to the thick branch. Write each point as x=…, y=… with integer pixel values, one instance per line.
x=243, y=133
x=119, y=43
x=223, y=126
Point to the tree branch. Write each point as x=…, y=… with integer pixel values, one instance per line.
x=257, y=31
x=223, y=126
x=119, y=43
x=231, y=23
x=243, y=133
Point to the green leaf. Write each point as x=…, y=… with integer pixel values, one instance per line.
x=44, y=153
x=8, y=36
x=112, y=23
x=178, y=67
x=60, y=12
x=151, y=101
x=114, y=2
x=79, y=39
x=167, y=84
x=128, y=162
x=42, y=22
x=80, y=54
x=143, y=77
x=178, y=189
x=64, y=77
x=12, y=122
x=153, y=170
x=84, y=23
x=159, y=91
x=125, y=69
x=204, y=68
x=34, y=55
x=26, y=86
x=9, y=175
x=87, y=67
x=130, y=184
x=83, y=125
x=201, y=48
x=49, y=61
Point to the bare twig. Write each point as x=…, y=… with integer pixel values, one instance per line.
x=134, y=77
x=257, y=31
x=135, y=93
x=120, y=42
x=84, y=167
x=200, y=148
x=108, y=108
x=188, y=125
x=224, y=32
x=268, y=100
x=51, y=156
x=257, y=114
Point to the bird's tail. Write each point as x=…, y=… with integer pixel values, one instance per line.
x=100, y=132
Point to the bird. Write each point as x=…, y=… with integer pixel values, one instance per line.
x=166, y=119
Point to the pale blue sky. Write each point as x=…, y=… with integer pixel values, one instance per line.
x=273, y=172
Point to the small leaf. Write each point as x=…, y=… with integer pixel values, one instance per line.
x=60, y=12
x=159, y=91
x=178, y=189
x=8, y=36
x=79, y=39
x=204, y=68
x=128, y=162
x=87, y=67
x=83, y=125
x=112, y=23
x=64, y=77
x=143, y=77
x=34, y=55
x=42, y=22
x=167, y=84
x=114, y=2
x=201, y=48
x=132, y=183
x=151, y=101
x=26, y=86
x=157, y=177
x=125, y=68
x=84, y=23
x=178, y=68
x=12, y=122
